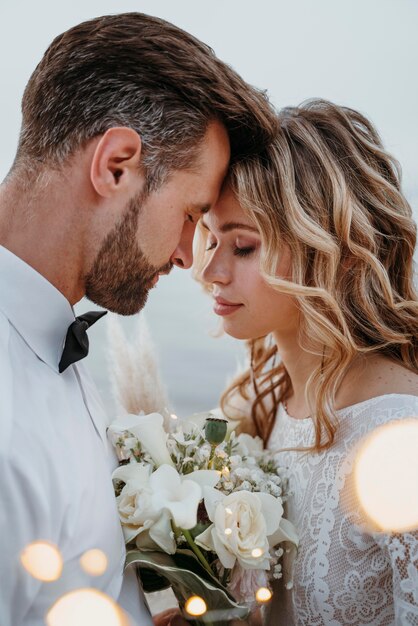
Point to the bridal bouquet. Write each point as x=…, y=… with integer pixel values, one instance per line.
x=201, y=510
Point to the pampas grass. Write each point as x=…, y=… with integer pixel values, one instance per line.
x=133, y=367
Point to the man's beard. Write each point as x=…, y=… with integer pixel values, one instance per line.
x=121, y=275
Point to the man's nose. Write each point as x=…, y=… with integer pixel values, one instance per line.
x=183, y=254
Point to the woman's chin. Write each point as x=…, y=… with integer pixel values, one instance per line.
x=237, y=332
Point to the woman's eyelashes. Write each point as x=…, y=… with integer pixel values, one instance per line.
x=241, y=251
x=245, y=251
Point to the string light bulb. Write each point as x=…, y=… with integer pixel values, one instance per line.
x=42, y=560
x=84, y=607
x=386, y=476
x=257, y=552
x=94, y=562
x=263, y=594
x=195, y=606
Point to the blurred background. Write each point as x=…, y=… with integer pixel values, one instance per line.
x=361, y=53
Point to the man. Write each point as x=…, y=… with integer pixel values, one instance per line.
x=128, y=128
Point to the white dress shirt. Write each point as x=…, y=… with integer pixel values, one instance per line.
x=55, y=463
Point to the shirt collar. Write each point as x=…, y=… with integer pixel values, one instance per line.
x=38, y=311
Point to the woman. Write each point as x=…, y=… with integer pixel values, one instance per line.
x=308, y=254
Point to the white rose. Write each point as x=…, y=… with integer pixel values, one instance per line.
x=242, y=521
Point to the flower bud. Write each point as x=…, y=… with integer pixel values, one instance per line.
x=215, y=430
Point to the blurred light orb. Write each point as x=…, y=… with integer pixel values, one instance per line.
x=386, y=476
x=228, y=531
x=257, y=552
x=94, y=562
x=228, y=510
x=174, y=416
x=85, y=607
x=42, y=560
x=263, y=594
x=196, y=606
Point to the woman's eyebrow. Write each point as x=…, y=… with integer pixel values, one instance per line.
x=228, y=226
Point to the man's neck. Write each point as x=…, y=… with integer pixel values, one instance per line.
x=35, y=226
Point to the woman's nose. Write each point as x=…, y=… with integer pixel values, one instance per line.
x=216, y=269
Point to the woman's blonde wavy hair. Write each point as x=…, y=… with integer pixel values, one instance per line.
x=327, y=188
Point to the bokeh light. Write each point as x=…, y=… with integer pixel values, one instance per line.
x=386, y=476
x=195, y=606
x=94, y=562
x=257, y=552
x=86, y=607
x=228, y=531
x=263, y=594
x=42, y=560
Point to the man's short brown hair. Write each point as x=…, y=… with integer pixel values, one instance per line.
x=142, y=72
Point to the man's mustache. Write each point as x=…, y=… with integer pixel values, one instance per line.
x=166, y=269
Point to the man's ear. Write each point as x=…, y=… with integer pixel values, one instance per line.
x=115, y=162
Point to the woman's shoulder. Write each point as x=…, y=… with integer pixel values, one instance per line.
x=378, y=382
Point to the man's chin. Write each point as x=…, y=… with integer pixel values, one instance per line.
x=120, y=306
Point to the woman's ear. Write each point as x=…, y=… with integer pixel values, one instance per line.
x=115, y=163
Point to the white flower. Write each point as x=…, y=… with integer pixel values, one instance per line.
x=183, y=429
x=242, y=521
x=136, y=510
x=180, y=495
x=149, y=431
x=249, y=446
x=242, y=473
x=148, y=502
x=256, y=475
x=244, y=486
x=235, y=460
x=245, y=582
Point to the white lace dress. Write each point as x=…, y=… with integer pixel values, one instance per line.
x=342, y=575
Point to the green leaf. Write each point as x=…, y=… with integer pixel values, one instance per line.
x=199, y=528
x=187, y=577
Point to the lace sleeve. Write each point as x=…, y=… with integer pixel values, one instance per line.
x=401, y=550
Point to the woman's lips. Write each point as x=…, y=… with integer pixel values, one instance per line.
x=224, y=307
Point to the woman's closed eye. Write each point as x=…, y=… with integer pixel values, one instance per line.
x=241, y=251
x=244, y=251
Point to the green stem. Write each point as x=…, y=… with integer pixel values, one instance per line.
x=212, y=455
x=176, y=530
x=197, y=551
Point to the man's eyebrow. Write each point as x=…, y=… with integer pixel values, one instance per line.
x=228, y=226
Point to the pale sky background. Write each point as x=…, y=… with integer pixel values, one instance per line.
x=360, y=53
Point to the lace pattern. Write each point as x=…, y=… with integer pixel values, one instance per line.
x=343, y=574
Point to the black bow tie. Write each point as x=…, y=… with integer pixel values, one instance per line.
x=76, y=345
